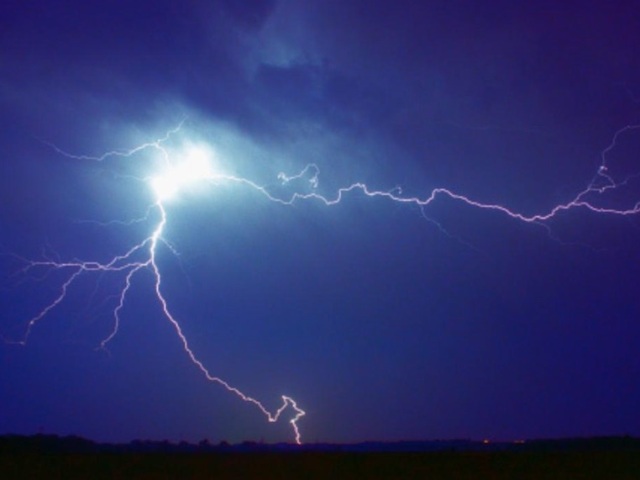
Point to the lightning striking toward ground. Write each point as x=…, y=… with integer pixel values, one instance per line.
x=193, y=166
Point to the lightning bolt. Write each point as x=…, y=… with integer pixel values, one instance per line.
x=177, y=177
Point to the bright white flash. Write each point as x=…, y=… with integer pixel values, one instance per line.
x=190, y=168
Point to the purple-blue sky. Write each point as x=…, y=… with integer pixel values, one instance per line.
x=382, y=320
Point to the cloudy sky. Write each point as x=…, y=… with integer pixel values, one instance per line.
x=382, y=319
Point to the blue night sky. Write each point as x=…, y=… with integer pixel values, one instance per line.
x=382, y=319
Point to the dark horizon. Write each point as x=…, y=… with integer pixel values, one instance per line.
x=51, y=443
x=74, y=457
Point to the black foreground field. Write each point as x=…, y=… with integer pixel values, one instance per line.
x=33, y=457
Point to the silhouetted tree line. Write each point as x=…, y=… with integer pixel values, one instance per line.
x=73, y=444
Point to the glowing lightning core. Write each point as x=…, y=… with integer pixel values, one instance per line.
x=194, y=166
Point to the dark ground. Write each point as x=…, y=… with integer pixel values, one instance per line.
x=460, y=465
x=22, y=457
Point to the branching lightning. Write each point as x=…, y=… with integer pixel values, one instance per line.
x=194, y=167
